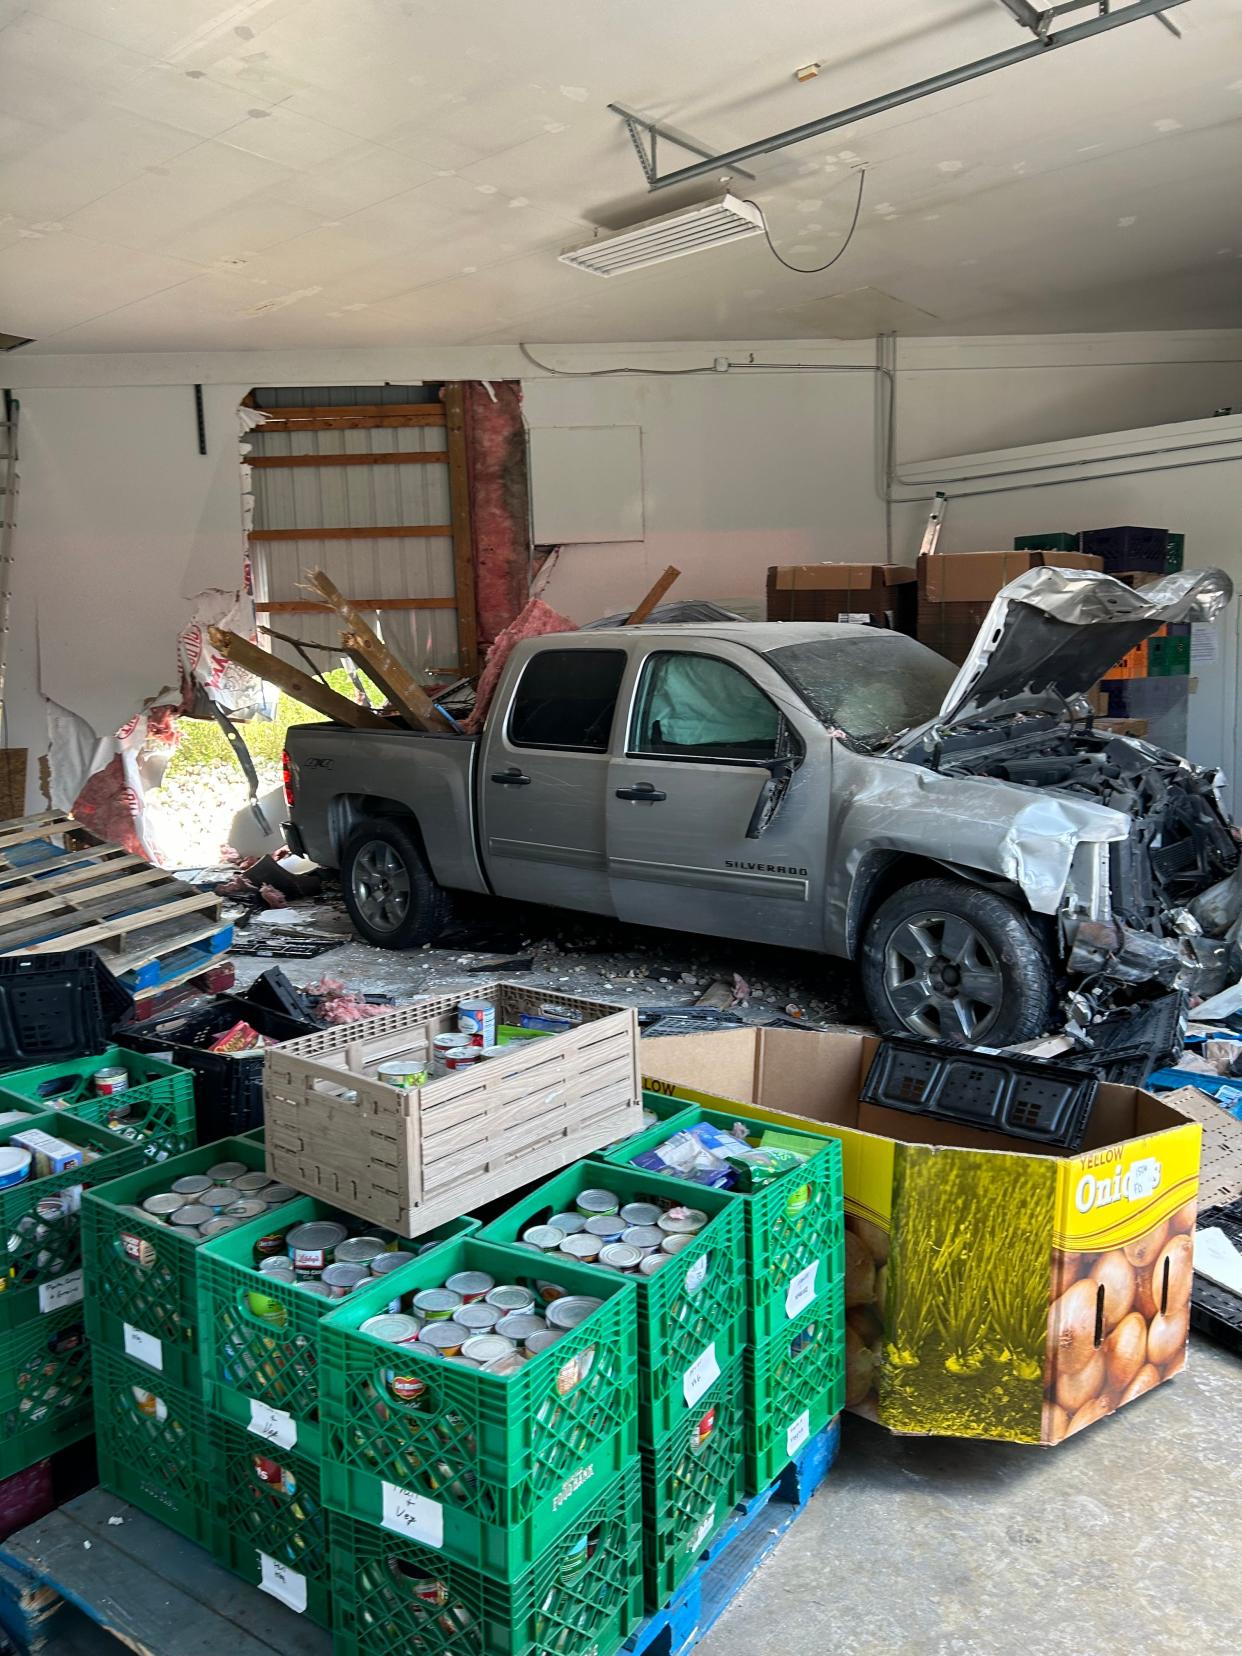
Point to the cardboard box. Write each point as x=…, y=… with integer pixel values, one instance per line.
x=992, y=1290
x=950, y=629
x=971, y=577
x=882, y=594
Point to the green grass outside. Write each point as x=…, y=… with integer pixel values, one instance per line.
x=203, y=742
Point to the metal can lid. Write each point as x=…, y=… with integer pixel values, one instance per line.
x=591, y=1202
x=509, y=1297
x=249, y=1207
x=675, y=1243
x=359, y=1250
x=191, y=1213
x=470, y=1284
x=619, y=1256
x=316, y=1236
x=218, y=1226
x=219, y=1197
x=461, y=1057
x=607, y=1226
x=570, y=1223
x=498, y=1051
x=545, y=1237
x=111, y=1072
x=345, y=1275
x=485, y=1348
x=541, y=1339
x=193, y=1184
x=385, y=1262
x=472, y=1004
x=641, y=1213
x=164, y=1203
x=510, y=1363
x=584, y=1246
x=436, y=1302
x=681, y=1221
x=319, y=1289
x=445, y=1337
x=646, y=1238
x=460, y=1358
x=277, y=1265
x=571, y=1310
x=223, y=1171
x=402, y=1072
x=275, y=1194
x=479, y=1316
x=652, y=1263
x=250, y=1183
x=394, y=1327
x=520, y=1325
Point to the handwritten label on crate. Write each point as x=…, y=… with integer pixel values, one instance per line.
x=413, y=1515
x=65, y=1290
x=145, y=1347
x=801, y=1291
x=282, y=1583
x=798, y=1433
x=273, y=1425
x=696, y=1276
x=700, y=1375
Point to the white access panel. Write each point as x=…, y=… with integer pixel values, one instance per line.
x=586, y=483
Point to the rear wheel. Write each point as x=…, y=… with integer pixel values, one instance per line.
x=947, y=961
x=390, y=893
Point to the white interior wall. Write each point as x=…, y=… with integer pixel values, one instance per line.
x=121, y=520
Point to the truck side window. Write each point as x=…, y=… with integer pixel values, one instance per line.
x=698, y=707
x=566, y=699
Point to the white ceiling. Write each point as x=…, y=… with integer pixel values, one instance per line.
x=190, y=174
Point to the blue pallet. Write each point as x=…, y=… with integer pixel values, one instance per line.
x=727, y=1565
x=179, y=963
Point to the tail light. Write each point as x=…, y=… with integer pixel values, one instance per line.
x=286, y=776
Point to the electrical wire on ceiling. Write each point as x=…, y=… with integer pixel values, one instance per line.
x=812, y=270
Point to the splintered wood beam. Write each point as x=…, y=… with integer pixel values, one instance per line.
x=378, y=661
x=301, y=686
x=653, y=597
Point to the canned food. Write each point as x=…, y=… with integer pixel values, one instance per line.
x=471, y=1285
x=541, y=1339
x=440, y=1044
x=609, y=1227
x=343, y=1279
x=510, y=1363
x=463, y=1361
x=225, y=1171
x=193, y=1184
x=675, y=1243
x=217, y=1226
x=509, y=1297
x=14, y=1165
x=250, y=1184
x=461, y=1057
x=437, y=1304
x=641, y=1213
x=137, y=1248
x=271, y=1246
x=359, y=1250
x=479, y=1317
x=113, y=1079
x=266, y=1308
x=310, y=1246
x=277, y=1194
x=476, y=1019
x=520, y=1325
x=592, y=1203
x=445, y=1337
x=570, y=1223
x=485, y=1348
x=548, y=1291
x=682, y=1221
x=619, y=1256
x=314, y=1286
x=279, y=1266
x=401, y=1072
x=250, y=1207
x=495, y=1052
x=571, y=1310
x=190, y=1215
x=547, y=1238
x=383, y=1263
x=393, y=1327
x=407, y=1388
x=166, y=1202
x=646, y=1238
x=652, y=1263
x=218, y=1197
x=583, y=1246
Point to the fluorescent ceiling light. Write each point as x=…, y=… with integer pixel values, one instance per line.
x=715, y=223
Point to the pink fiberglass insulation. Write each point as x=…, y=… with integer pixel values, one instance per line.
x=535, y=620
x=498, y=504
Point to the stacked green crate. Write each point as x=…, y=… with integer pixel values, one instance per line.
x=156, y=1109
x=45, y=1388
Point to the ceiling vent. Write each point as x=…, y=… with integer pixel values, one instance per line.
x=715, y=223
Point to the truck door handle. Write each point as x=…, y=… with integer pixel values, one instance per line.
x=642, y=793
x=511, y=778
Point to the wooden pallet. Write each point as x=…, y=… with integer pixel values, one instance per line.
x=62, y=888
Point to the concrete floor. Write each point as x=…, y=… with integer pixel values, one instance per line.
x=1121, y=1542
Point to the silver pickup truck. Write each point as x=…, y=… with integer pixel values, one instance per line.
x=967, y=835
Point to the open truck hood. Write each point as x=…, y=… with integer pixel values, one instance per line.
x=1053, y=633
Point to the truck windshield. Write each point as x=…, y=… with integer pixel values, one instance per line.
x=870, y=687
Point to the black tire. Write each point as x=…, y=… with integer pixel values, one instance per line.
x=384, y=851
x=1007, y=959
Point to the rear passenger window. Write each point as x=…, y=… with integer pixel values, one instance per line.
x=566, y=699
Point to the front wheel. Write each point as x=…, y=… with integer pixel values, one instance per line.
x=947, y=961
x=390, y=893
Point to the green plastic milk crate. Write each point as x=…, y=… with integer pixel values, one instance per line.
x=489, y=1468
x=271, y=1528
x=41, y=1225
x=795, y=1383
x=156, y=1110
x=795, y=1226
x=45, y=1388
x=153, y=1447
x=141, y=1275
x=582, y=1596
x=259, y=1339
x=691, y=1483
x=691, y=1313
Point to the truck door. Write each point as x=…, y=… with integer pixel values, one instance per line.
x=543, y=779
x=705, y=734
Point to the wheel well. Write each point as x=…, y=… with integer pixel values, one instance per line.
x=347, y=810
x=882, y=873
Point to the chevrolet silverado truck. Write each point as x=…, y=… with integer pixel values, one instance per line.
x=967, y=836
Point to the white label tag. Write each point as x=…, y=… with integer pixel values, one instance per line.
x=700, y=1375
x=70, y=1198
x=145, y=1347
x=798, y=1433
x=801, y=1291
x=65, y=1290
x=273, y=1425
x=413, y=1515
x=282, y=1583
x=696, y=1276
x=704, y=1530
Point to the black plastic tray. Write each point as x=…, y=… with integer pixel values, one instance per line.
x=1215, y=1311
x=56, y=1006
x=1025, y=1098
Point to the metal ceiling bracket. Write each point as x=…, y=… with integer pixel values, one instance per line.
x=1045, y=39
x=642, y=131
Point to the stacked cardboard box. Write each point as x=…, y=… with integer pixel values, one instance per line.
x=956, y=589
x=878, y=595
